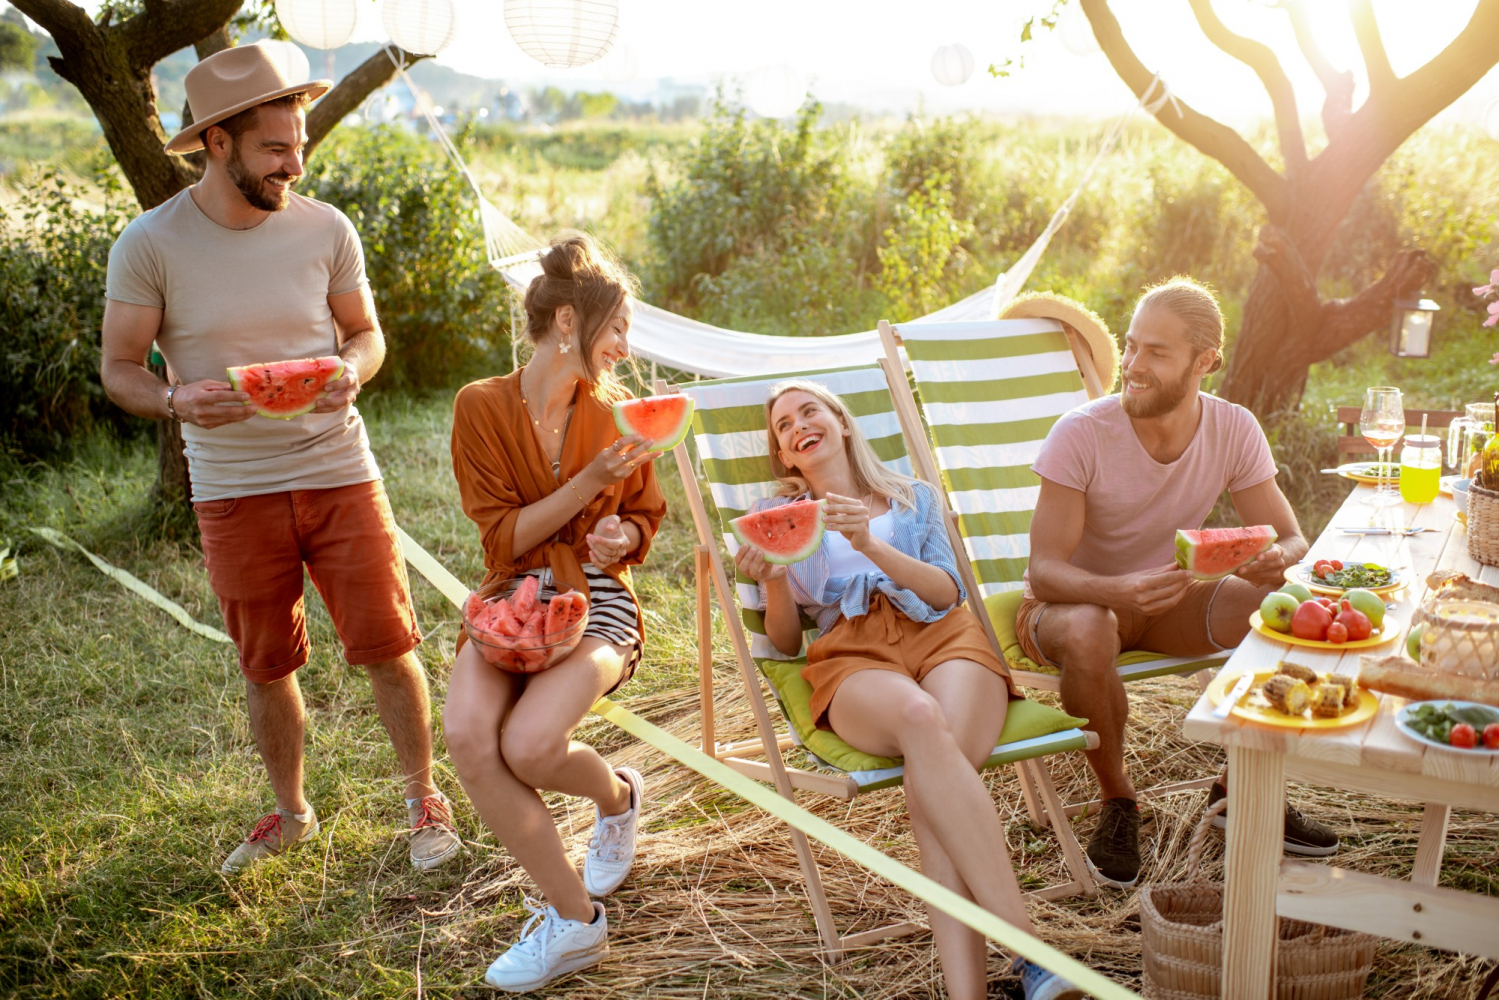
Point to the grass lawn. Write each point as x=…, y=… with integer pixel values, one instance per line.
x=129, y=773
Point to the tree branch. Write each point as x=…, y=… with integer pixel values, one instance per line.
x=1337, y=84
x=164, y=26
x=60, y=19
x=1210, y=137
x=1376, y=59
x=372, y=74
x=1258, y=57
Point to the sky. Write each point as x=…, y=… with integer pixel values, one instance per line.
x=877, y=53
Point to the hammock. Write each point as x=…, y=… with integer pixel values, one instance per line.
x=663, y=337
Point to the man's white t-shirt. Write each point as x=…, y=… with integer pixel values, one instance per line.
x=238, y=297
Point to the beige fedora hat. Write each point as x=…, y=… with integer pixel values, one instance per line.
x=232, y=81
x=1088, y=324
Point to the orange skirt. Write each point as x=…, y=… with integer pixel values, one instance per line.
x=885, y=639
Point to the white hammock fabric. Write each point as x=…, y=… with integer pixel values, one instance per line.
x=688, y=345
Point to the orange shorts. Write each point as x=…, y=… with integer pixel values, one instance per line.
x=1181, y=631
x=255, y=548
x=885, y=639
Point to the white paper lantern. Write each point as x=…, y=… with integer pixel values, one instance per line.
x=1077, y=32
x=621, y=65
x=563, y=33
x=952, y=65
x=423, y=27
x=290, y=58
x=319, y=24
x=776, y=91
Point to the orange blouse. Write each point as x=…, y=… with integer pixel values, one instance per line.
x=500, y=468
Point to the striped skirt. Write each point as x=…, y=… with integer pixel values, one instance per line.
x=612, y=616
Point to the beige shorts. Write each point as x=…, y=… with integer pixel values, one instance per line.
x=1183, y=631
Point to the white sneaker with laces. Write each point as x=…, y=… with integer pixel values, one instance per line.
x=550, y=946
x=611, y=849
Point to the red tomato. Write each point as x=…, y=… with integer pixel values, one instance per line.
x=1491, y=736
x=1322, y=567
x=1326, y=602
x=1337, y=564
x=1337, y=632
x=1463, y=736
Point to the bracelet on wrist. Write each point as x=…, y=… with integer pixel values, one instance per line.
x=581, y=498
x=172, y=410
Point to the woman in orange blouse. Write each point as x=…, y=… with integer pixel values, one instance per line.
x=556, y=492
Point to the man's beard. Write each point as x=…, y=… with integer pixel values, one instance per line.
x=1161, y=399
x=259, y=194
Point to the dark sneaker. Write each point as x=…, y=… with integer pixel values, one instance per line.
x=1114, y=849
x=1304, y=835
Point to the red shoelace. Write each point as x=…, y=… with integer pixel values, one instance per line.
x=435, y=813
x=268, y=824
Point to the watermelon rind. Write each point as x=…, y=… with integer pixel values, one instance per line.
x=236, y=379
x=667, y=441
x=784, y=558
x=1192, y=550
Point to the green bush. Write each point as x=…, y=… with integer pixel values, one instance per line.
x=443, y=309
x=53, y=253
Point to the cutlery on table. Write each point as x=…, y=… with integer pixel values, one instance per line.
x=1407, y=532
x=1232, y=698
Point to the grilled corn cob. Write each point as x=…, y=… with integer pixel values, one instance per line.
x=1287, y=694
x=1304, y=674
x=1327, y=703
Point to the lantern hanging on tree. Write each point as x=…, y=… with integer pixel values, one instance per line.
x=1077, y=31
x=319, y=24
x=422, y=27
x=563, y=33
x=776, y=91
x=952, y=65
x=289, y=58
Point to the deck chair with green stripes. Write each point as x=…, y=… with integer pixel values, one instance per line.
x=988, y=394
x=730, y=439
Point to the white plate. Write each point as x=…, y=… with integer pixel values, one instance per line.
x=1404, y=727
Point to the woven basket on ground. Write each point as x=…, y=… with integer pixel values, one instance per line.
x=1483, y=525
x=1183, y=930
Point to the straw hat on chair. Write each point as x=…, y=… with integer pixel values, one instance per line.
x=234, y=80
x=1084, y=321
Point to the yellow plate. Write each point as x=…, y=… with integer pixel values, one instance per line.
x=1364, y=472
x=1254, y=707
x=1302, y=573
x=1387, y=634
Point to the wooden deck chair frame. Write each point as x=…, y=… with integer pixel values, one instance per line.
x=919, y=444
x=761, y=757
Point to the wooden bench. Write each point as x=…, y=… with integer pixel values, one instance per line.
x=1352, y=442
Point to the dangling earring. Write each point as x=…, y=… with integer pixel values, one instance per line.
x=563, y=347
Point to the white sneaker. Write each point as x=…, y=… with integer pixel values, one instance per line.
x=550, y=946
x=611, y=849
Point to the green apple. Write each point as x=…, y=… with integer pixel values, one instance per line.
x=1277, y=610
x=1413, y=641
x=1370, y=603
x=1297, y=591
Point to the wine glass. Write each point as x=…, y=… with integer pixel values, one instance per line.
x=1381, y=423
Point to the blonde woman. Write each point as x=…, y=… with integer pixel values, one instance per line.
x=900, y=669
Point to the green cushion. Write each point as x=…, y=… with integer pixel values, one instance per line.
x=1025, y=720
x=1005, y=605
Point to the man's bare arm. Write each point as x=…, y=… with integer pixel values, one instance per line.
x=1266, y=504
x=360, y=344
x=128, y=332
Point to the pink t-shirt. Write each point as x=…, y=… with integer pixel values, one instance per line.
x=1134, y=503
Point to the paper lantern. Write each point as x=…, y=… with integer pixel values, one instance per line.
x=776, y=91
x=423, y=27
x=952, y=65
x=289, y=58
x=563, y=33
x=1077, y=32
x=621, y=65
x=319, y=24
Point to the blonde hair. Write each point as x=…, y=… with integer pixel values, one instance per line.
x=1195, y=305
x=870, y=474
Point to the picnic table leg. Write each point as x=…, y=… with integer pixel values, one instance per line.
x=1256, y=834
x=1429, y=848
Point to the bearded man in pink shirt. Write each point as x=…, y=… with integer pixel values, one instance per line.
x=1119, y=476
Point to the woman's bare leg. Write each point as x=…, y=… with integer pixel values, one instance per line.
x=944, y=729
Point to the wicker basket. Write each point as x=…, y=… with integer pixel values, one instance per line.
x=1483, y=524
x=1182, y=926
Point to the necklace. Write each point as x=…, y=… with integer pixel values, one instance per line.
x=532, y=415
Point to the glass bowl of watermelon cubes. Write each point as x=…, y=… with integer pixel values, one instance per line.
x=518, y=630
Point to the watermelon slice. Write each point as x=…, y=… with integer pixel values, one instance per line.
x=523, y=601
x=1216, y=552
x=662, y=420
x=285, y=389
x=785, y=534
x=564, y=612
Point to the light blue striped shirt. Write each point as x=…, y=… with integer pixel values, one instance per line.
x=919, y=533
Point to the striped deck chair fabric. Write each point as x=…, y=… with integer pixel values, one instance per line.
x=989, y=393
x=730, y=436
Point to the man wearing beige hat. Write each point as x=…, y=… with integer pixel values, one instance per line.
x=235, y=270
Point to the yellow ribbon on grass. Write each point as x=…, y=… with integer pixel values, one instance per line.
x=784, y=809
x=8, y=567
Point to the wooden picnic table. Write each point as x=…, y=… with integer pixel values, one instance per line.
x=1373, y=757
